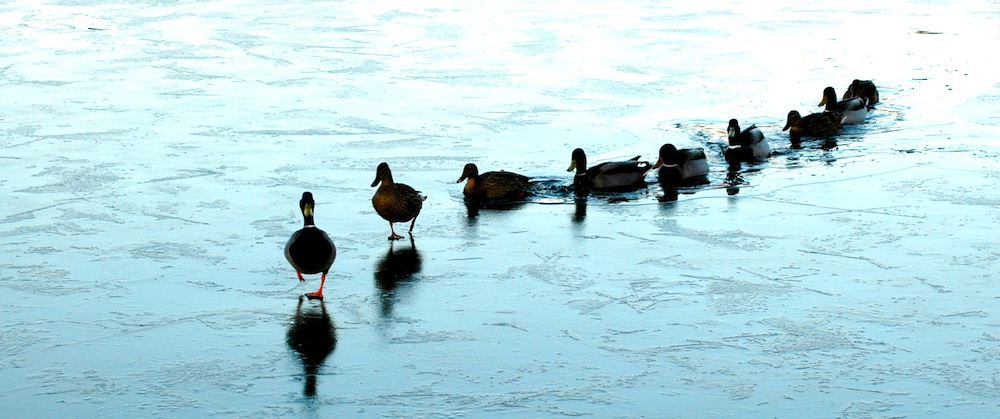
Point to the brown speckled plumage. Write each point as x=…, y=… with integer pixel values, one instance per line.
x=395, y=202
x=499, y=185
x=823, y=124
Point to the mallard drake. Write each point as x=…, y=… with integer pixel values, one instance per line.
x=310, y=250
x=628, y=174
x=499, y=185
x=862, y=88
x=745, y=145
x=681, y=165
x=854, y=110
x=823, y=124
x=395, y=202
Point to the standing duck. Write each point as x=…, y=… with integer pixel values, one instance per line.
x=864, y=89
x=854, y=109
x=615, y=175
x=746, y=145
x=395, y=202
x=310, y=250
x=683, y=165
x=822, y=124
x=492, y=185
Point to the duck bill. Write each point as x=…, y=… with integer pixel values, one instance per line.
x=461, y=179
x=822, y=102
x=308, y=210
x=377, y=180
x=731, y=132
x=659, y=162
x=572, y=166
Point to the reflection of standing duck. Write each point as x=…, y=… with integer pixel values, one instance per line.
x=614, y=175
x=396, y=267
x=310, y=249
x=313, y=336
x=490, y=186
x=395, y=202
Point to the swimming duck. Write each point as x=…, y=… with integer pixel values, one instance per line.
x=823, y=124
x=628, y=174
x=684, y=165
x=854, y=109
x=395, y=202
x=745, y=145
x=865, y=89
x=499, y=185
x=310, y=250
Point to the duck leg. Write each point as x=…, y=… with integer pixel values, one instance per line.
x=394, y=236
x=412, y=223
x=318, y=295
x=301, y=279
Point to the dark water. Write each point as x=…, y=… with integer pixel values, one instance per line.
x=154, y=153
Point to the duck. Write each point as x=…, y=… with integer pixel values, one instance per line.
x=395, y=202
x=499, y=185
x=746, y=145
x=854, y=110
x=864, y=89
x=310, y=250
x=823, y=124
x=613, y=175
x=681, y=165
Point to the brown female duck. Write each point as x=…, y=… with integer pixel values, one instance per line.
x=395, y=202
x=822, y=124
x=492, y=186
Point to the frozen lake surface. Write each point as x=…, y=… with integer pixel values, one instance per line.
x=154, y=152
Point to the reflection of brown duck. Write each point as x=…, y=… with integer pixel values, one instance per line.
x=310, y=250
x=819, y=125
x=313, y=336
x=499, y=185
x=396, y=267
x=395, y=202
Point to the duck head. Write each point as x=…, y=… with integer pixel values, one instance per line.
x=793, y=119
x=668, y=156
x=469, y=172
x=382, y=174
x=578, y=162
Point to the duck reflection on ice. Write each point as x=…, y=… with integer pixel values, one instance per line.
x=473, y=206
x=396, y=267
x=313, y=336
x=580, y=213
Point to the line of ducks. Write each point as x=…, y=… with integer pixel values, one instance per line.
x=311, y=251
